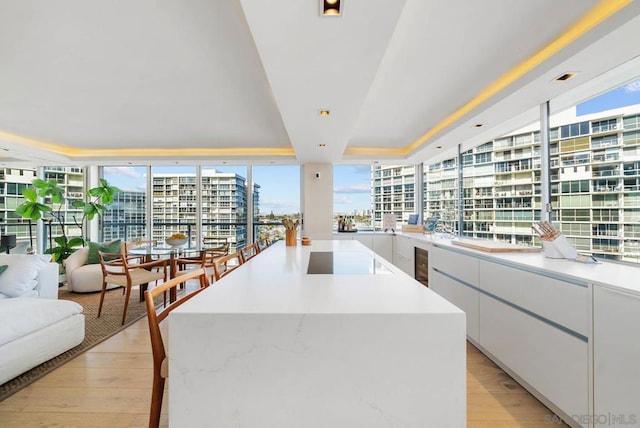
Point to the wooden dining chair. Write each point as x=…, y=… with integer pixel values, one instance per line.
x=223, y=266
x=160, y=363
x=204, y=260
x=127, y=271
x=249, y=252
x=262, y=244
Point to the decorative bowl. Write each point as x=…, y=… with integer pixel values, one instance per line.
x=176, y=242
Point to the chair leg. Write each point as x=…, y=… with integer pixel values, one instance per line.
x=156, y=401
x=104, y=290
x=126, y=303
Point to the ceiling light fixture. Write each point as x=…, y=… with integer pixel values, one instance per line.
x=322, y=145
x=565, y=76
x=325, y=112
x=330, y=7
x=478, y=125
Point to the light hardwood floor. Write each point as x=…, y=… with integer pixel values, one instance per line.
x=110, y=386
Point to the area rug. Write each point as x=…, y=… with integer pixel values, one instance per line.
x=96, y=330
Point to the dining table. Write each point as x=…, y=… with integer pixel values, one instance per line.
x=173, y=253
x=322, y=335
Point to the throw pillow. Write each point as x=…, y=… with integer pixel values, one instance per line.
x=20, y=275
x=93, y=257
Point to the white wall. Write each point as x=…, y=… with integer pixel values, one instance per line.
x=317, y=200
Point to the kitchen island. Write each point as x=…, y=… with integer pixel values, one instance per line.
x=358, y=344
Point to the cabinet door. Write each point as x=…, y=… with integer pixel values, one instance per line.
x=365, y=239
x=616, y=354
x=383, y=245
x=553, y=361
x=461, y=295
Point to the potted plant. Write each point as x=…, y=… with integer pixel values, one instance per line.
x=51, y=209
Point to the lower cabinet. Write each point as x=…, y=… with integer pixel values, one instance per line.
x=535, y=326
x=616, y=354
x=552, y=361
x=463, y=296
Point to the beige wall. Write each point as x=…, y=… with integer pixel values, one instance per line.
x=317, y=200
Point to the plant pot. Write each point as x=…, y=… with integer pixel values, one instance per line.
x=291, y=237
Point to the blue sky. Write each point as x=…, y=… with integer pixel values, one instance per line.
x=622, y=96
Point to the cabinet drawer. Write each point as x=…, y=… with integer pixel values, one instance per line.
x=552, y=361
x=464, y=297
x=562, y=302
x=457, y=265
x=403, y=246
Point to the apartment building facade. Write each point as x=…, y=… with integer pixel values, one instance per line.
x=595, y=185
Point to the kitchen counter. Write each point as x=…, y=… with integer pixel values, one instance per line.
x=621, y=276
x=273, y=345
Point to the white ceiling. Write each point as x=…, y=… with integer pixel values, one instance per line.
x=243, y=81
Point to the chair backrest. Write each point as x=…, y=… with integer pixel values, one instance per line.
x=249, y=252
x=113, y=263
x=223, y=266
x=262, y=244
x=157, y=344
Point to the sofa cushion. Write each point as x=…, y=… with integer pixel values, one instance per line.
x=19, y=317
x=21, y=274
x=94, y=247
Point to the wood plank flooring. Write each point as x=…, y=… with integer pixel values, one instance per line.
x=110, y=386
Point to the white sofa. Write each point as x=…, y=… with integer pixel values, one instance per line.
x=34, y=325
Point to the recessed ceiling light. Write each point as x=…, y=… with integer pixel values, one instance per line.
x=478, y=125
x=322, y=145
x=330, y=7
x=438, y=147
x=325, y=112
x=565, y=76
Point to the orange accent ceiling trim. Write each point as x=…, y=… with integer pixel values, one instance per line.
x=599, y=13
x=155, y=152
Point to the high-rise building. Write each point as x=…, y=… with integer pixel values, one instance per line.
x=392, y=191
x=595, y=184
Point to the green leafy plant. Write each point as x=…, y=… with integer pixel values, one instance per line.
x=51, y=210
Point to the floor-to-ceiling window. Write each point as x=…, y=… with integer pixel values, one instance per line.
x=174, y=201
x=126, y=218
x=276, y=196
x=224, y=205
x=354, y=196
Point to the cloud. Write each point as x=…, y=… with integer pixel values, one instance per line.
x=127, y=171
x=633, y=86
x=342, y=199
x=356, y=188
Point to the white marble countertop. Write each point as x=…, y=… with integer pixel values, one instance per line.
x=273, y=346
x=277, y=282
x=622, y=276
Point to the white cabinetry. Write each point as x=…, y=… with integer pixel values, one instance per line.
x=534, y=325
x=383, y=245
x=379, y=242
x=447, y=280
x=616, y=339
x=403, y=254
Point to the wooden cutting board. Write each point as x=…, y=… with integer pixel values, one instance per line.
x=494, y=246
